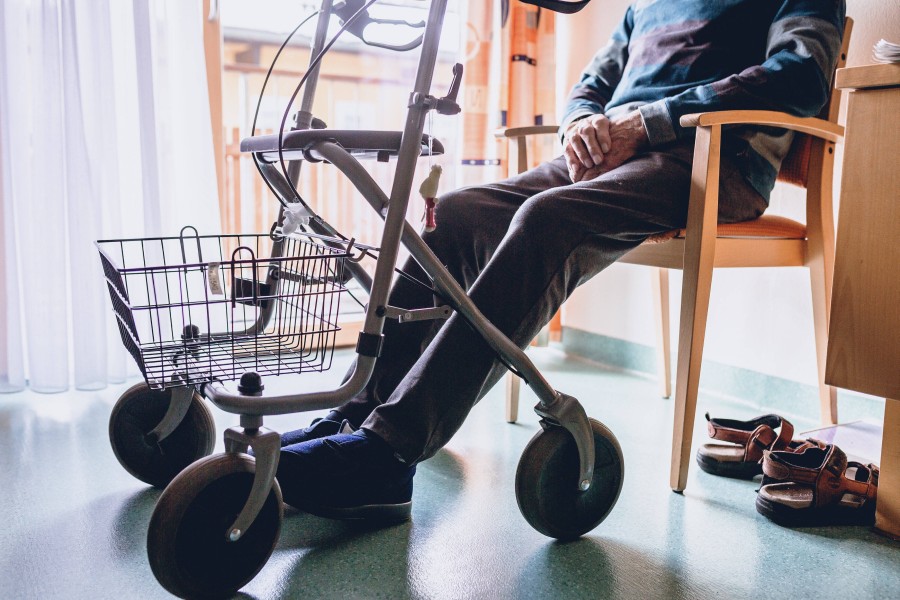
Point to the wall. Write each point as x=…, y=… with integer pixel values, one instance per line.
x=759, y=319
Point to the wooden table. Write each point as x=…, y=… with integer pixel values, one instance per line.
x=864, y=330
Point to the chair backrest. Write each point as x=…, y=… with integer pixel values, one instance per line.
x=795, y=167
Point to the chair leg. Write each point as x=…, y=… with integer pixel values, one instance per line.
x=513, y=385
x=699, y=258
x=663, y=343
x=820, y=283
x=694, y=309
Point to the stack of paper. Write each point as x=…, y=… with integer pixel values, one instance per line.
x=886, y=52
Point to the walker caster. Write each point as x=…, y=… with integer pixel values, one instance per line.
x=547, y=489
x=137, y=413
x=191, y=552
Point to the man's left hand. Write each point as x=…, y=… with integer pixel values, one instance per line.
x=627, y=136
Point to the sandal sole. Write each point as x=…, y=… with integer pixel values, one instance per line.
x=814, y=517
x=734, y=470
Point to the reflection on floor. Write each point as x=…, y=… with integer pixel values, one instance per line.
x=75, y=522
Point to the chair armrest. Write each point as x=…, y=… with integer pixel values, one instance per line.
x=519, y=134
x=819, y=128
x=514, y=132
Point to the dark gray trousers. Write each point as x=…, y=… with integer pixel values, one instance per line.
x=520, y=247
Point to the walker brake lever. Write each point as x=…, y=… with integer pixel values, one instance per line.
x=346, y=9
x=448, y=105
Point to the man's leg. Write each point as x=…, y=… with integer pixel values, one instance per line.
x=557, y=240
x=471, y=224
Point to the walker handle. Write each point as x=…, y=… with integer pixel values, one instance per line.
x=560, y=6
x=346, y=9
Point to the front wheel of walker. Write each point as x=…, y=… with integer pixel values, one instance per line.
x=188, y=545
x=138, y=411
x=547, y=482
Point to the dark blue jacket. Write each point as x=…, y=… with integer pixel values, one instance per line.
x=670, y=58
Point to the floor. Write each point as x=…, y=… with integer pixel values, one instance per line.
x=75, y=522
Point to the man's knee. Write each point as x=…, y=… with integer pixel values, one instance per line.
x=456, y=219
x=454, y=209
x=541, y=212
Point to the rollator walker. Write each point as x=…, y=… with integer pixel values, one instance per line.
x=197, y=311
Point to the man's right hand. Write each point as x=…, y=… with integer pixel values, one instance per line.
x=587, y=141
x=625, y=135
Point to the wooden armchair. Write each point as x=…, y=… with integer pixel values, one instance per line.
x=770, y=241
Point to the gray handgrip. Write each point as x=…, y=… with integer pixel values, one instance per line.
x=560, y=6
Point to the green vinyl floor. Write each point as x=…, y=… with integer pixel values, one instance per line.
x=75, y=522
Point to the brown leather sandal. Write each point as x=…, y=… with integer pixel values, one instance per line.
x=747, y=440
x=817, y=487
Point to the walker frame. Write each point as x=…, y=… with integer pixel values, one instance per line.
x=558, y=411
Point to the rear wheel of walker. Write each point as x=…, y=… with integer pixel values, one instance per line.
x=187, y=541
x=547, y=482
x=137, y=413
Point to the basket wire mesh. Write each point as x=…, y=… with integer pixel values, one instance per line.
x=193, y=309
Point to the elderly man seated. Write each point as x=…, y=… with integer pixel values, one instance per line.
x=522, y=245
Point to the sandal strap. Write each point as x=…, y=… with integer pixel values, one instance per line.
x=778, y=466
x=801, y=446
x=756, y=435
x=824, y=470
x=865, y=485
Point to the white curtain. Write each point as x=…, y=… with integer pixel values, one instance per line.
x=104, y=133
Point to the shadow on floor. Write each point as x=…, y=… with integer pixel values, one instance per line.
x=101, y=542
x=597, y=568
x=128, y=534
x=322, y=558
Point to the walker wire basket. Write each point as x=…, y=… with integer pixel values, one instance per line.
x=192, y=309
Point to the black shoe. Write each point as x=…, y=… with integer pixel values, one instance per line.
x=347, y=476
x=319, y=428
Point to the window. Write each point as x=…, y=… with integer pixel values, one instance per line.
x=360, y=87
